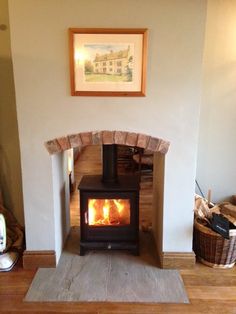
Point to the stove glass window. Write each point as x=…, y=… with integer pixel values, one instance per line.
x=108, y=212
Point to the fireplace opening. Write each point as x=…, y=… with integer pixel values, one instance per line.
x=108, y=212
x=109, y=208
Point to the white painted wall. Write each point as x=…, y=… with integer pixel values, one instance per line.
x=217, y=150
x=46, y=110
x=61, y=199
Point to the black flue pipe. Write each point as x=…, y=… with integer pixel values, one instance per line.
x=109, y=163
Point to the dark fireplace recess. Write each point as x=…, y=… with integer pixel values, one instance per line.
x=109, y=208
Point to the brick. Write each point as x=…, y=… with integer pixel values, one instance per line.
x=97, y=137
x=164, y=147
x=108, y=137
x=53, y=147
x=64, y=142
x=153, y=144
x=75, y=140
x=120, y=137
x=86, y=138
x=131, y=139
x=143, y=140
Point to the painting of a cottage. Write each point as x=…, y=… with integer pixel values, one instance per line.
x=108, y=63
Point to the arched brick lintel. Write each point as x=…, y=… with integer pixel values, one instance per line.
x=148, y=142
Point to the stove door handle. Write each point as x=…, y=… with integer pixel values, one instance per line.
x=86, y=217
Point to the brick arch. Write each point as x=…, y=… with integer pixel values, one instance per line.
x=82, y=139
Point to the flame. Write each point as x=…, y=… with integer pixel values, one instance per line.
x=108, y=212
x=92, y=211
x=120, y=205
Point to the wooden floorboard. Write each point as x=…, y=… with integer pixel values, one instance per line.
x=210, y=291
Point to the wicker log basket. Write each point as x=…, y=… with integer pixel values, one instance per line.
x=211, y=248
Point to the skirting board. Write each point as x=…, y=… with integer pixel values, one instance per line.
x=174, y=260
x=39, y=259
x=177, y=260
x=168, y=260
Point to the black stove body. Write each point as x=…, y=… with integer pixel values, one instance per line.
x=109, y=208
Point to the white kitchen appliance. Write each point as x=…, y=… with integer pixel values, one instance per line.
x=7, y=259
x=3, y=234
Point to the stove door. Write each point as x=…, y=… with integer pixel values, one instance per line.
x=109, y=216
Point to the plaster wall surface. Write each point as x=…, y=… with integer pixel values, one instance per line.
x=216, y=168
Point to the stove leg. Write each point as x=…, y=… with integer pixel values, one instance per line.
x=135, y=251
x=82, y=251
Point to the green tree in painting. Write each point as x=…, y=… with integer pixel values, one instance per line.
x=88, y=67
x=129, y=70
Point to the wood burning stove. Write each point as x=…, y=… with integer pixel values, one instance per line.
x=109, y=208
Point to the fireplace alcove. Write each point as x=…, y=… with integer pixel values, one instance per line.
x=158, y=146
x=164, y=185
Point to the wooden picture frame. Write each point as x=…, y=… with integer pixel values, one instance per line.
x=108, y=62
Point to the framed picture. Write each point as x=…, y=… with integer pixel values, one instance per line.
x=108, y=62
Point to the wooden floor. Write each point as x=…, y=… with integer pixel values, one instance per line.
x=209, y=290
